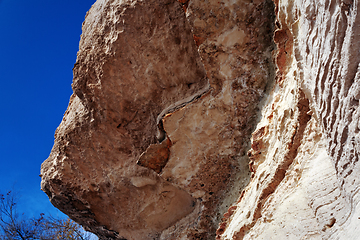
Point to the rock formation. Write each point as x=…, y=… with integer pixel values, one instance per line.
x=196, y=119
x=304, y=150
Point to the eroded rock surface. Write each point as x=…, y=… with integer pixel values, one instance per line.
x=304, y=154
x=136, y=60
x=152, y=144
x=155, y=143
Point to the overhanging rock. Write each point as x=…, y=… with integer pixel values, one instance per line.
x=166, y=94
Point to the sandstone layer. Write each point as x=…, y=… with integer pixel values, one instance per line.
x=304, y=154
x=152, y=144
x=201, y=119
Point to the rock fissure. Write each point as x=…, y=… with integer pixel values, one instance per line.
x=161, y=135
x=281, y=168
x=157, y=155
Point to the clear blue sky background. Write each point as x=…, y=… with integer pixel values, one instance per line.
x=39, y=40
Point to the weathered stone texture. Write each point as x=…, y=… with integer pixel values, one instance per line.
x=153, y=137
x=304, y=155
x=136, y=60
x=208, y=134
x=167, y=95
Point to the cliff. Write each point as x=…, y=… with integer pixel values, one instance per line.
x=207, y=119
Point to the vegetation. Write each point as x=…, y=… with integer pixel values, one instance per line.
x=14, y=226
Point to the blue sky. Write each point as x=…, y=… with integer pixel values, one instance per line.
x=39, y=40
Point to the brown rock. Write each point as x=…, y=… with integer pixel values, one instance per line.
x=211, y=136
x=179, y=87
x=137, y=61
x=156, y=156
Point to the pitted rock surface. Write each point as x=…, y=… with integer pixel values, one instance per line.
x=201, y=119
x=152, y=144
x=136, y=59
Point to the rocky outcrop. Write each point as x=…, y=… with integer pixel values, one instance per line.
x=205, y=119
x=152, y=144
x=137, y=61
x=304, y=151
